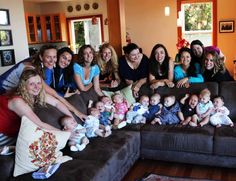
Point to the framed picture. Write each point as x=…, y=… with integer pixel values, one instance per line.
x=226, y=26
x=5, y=38
x=7, y=57
x=4, y=20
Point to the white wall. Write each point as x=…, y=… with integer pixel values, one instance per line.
x=18, y=28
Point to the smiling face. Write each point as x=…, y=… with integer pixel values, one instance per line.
x=204, y=98
x=49, y=58
x=134, y=55
x=88, y=55
x=160, y=55
x=209, y=62
x=193, y=101
x=64, y=60
x=34, y=85
x=100, y=106
x=197, y=50
x=185, y=58
x=106, y=54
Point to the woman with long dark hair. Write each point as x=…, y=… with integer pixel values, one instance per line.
x=161, y=67
x=187, y=72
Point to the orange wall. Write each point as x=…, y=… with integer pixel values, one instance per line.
x=147, y=24
x=227, y=41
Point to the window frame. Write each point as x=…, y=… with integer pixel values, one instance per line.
x=214, y=18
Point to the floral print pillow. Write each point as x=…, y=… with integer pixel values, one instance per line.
x=37, y=148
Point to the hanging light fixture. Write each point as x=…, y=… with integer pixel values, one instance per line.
x=167, y=11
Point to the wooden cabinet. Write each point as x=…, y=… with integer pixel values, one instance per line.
x=31, y=28
x=46, y=28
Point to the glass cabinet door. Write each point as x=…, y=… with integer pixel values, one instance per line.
x=48, y=28
x=57, y=28
x=31, y=27
x=39, y=29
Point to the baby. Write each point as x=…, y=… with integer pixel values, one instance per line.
x=105, y=116
x=134, y=115
x=220, y=113
x=154, y=108
x=121, y=108
x=78, y=140
x=204, y=108
x=170, y=113
x=108, y=104
x=189, y=109
x=92, y=124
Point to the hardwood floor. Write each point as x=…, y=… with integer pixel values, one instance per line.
x=142, y=167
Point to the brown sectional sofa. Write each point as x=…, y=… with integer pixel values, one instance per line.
x=207, y=145
x=109, y=159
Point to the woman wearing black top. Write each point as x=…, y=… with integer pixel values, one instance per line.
x=214, y=68
x=161, y=67
x=133, y=67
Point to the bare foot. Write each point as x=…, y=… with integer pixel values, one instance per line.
x=107, y=133
x=153, y=122
x=218, y=125
x=193, y=124
x=90, y=104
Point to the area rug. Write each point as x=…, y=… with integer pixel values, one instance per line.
x=154, y=177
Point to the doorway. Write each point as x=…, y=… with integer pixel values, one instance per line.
x=85, y=30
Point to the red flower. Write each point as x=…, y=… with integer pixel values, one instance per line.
x=182, y=43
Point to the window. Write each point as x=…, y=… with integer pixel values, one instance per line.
x=197, y=21
x=85, y=30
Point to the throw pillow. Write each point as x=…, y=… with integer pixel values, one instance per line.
x=126, y=92
x=36, y=148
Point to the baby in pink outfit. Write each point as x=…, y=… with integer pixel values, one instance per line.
x=121, y=108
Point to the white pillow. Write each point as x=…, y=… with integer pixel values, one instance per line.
x=36, y=147
x=126, y=92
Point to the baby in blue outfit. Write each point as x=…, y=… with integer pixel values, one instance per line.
x=154, y=108
x=170, y=113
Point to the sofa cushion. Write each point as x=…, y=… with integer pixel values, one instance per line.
x=78, y=102
x=133, y=127
x=126, y=92
x=6, y=166
x=227, y=90
x=178, y=138
x=194, y=88
x=50, y=115
x=225, y=141
x=89, y=95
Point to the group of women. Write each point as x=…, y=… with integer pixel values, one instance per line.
x=53, y=75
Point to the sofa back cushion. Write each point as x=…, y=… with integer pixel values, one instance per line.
x=52, y=115
x=228, y=91
x=180, y=92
